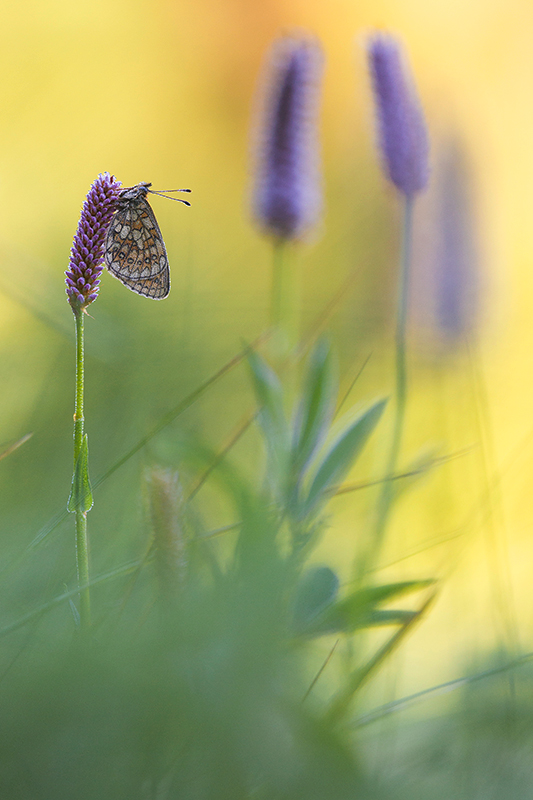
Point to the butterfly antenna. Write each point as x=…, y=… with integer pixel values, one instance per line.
x=165, y=193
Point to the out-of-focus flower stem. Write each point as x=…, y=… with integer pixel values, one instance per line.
x=400, y=395
x=284, y=304
x=82, y=549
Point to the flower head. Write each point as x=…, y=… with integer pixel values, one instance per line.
x=287, y=197
x=87, y=253
x=403, y=138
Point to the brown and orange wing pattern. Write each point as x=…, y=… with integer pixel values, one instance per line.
x=134, y=249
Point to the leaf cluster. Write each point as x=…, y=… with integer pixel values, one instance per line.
x=308, y=456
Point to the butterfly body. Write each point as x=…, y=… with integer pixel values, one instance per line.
x=135, y=252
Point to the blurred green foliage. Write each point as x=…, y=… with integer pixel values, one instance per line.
x=194, y=679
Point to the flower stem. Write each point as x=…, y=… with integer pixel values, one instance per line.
x=284, y=301
x=82, y=549
x=278, y=283
x=387, y=492
x=78, y=407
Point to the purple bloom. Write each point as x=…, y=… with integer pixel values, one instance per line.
x=287, y=197
x=455, y=259
x=87, y=253
x=403, y=136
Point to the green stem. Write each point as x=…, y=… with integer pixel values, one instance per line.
x=284, y=300
x=82, y=548
x=82, y=563
x=78, y=404
x=387, y=492
x=276, y=298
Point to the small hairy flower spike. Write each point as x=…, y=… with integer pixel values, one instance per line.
x=87, y=253
x=287, y=195
x=169, y=525
x=402, y=130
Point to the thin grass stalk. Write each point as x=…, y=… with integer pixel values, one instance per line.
x=387, y=492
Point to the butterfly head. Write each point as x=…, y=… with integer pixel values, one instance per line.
x=141, y=190
x=134, y=192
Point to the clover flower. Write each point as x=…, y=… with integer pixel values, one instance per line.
x=402, y=132
x=287, y=196
x=87, y=253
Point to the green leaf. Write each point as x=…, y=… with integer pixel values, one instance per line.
x=358, y=610
x=316, y=407
x=269, y=394
x=372, y=595
x=316, y=590
x=341, y=702
x=81, y=496
x=337, y=622
x=379, y=617
x=342, y=455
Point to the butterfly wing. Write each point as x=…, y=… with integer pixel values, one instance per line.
x=135, y=252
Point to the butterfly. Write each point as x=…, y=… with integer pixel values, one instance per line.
x=134, y=250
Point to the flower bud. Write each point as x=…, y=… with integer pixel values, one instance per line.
x=287, y=195
x=402, y=132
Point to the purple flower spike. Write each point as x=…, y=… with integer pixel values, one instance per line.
x=287, y=196
x=87, y=253
x=403, y=135
x=456, y=263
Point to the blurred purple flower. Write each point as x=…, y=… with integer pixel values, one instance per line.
x=87, y=253
x=287, y=195
x=455, y=262
x=402, y=130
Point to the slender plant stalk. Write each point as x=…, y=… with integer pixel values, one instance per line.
x=284, y=299
x=277, y=283
x=387, y=492
x=82, y=549
x=82, y=279
x=404, y=145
